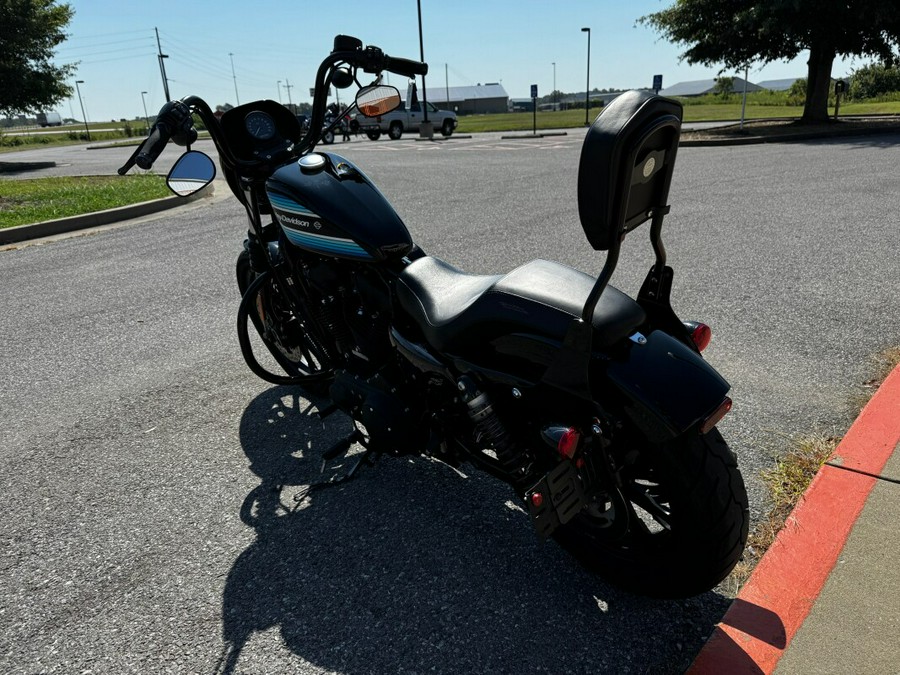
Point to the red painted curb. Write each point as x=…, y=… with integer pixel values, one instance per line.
x=772, y=605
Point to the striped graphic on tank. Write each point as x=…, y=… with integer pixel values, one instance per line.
x=285, y=204
x=295, y=218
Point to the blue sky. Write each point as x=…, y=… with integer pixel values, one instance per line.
x=466, y=43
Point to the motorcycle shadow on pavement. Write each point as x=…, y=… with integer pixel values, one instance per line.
x=413, y=566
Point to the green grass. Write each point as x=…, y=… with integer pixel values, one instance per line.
x=32, y=201
x=792, y=474
x=693, y=112
x=762, y=105
x=73, y=134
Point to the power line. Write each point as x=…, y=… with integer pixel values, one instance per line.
x=103, y=44
x=117, y=58
x=116, y=33
x=108, y=51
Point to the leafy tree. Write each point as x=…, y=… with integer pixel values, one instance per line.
x=724, y=86
x=739, y=32
x=29, y=32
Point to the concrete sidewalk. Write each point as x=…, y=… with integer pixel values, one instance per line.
x=825, y=598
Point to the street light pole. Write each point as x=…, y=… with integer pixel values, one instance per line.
x=234, y=77
x=554, y=83
x=279, y=90
x=426, y=130
x=146, y=118
x=81, y=103
x=587, y=90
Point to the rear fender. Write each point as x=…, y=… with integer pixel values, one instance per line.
x=664, y=386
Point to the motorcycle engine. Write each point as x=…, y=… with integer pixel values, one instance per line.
x=393, y=422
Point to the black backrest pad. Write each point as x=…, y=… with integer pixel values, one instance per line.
x=626, y=165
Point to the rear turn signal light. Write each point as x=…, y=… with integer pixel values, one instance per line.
x=564, y=439
x=700, y=333
x=568, y=443
x=716, y=415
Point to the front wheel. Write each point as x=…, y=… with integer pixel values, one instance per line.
x=302, y=357
x=447, y=128
x=395, y=131
x=675, y=528
x=328, y=137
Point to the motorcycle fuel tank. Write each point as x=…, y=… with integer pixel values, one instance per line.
x=326, y=205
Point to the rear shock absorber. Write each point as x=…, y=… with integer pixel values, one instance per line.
x=490, y=428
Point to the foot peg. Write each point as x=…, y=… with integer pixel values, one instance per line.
x=322, y=413
x=341, y=447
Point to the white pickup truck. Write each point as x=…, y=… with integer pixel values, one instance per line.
x=395, y=123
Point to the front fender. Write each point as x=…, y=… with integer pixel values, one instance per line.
x=664, y=386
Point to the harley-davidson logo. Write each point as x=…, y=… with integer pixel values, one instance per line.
x=299, y=222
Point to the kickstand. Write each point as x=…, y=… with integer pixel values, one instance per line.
x=369, y=457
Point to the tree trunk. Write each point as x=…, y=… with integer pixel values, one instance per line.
x=818, y=83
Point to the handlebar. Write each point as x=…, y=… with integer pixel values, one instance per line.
x=174, y=119
x=405, y=67
x=174, y=122
x=152, y=147
x=349, y=50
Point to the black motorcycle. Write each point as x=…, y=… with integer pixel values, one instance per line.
x=596, y=408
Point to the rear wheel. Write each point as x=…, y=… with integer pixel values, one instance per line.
x=373, y=135
x=328, y=137
x=676, y=527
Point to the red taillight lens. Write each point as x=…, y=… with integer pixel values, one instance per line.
x=716, y=415
x=568, y=443
x=701, y=334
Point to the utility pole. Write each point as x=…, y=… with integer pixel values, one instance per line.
x=81, y=103
x=447, y=86
x=234, y=77
x=279, y=90
x=587, y=88
x=289, y=86
x=146, y=118
x=162, y=66
x=426, y=130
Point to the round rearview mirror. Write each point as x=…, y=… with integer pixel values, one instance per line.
x=191, y=173
x=375, y=101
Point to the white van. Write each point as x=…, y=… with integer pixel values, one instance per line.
x=50, y=119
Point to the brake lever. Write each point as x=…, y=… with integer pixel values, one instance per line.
x=122, y=170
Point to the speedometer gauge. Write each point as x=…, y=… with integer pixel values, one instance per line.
x=259, y=125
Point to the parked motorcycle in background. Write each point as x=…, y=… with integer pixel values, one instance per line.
x=597, y=409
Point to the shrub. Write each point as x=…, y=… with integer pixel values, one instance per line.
x=874, y=81
x=724, y=87
x=797, y=93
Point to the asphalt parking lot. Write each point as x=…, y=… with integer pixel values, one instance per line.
x=146, y=471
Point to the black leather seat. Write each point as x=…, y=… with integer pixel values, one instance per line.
x=456, y=310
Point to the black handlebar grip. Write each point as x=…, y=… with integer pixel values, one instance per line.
x=405, y=67
x=152, y=147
